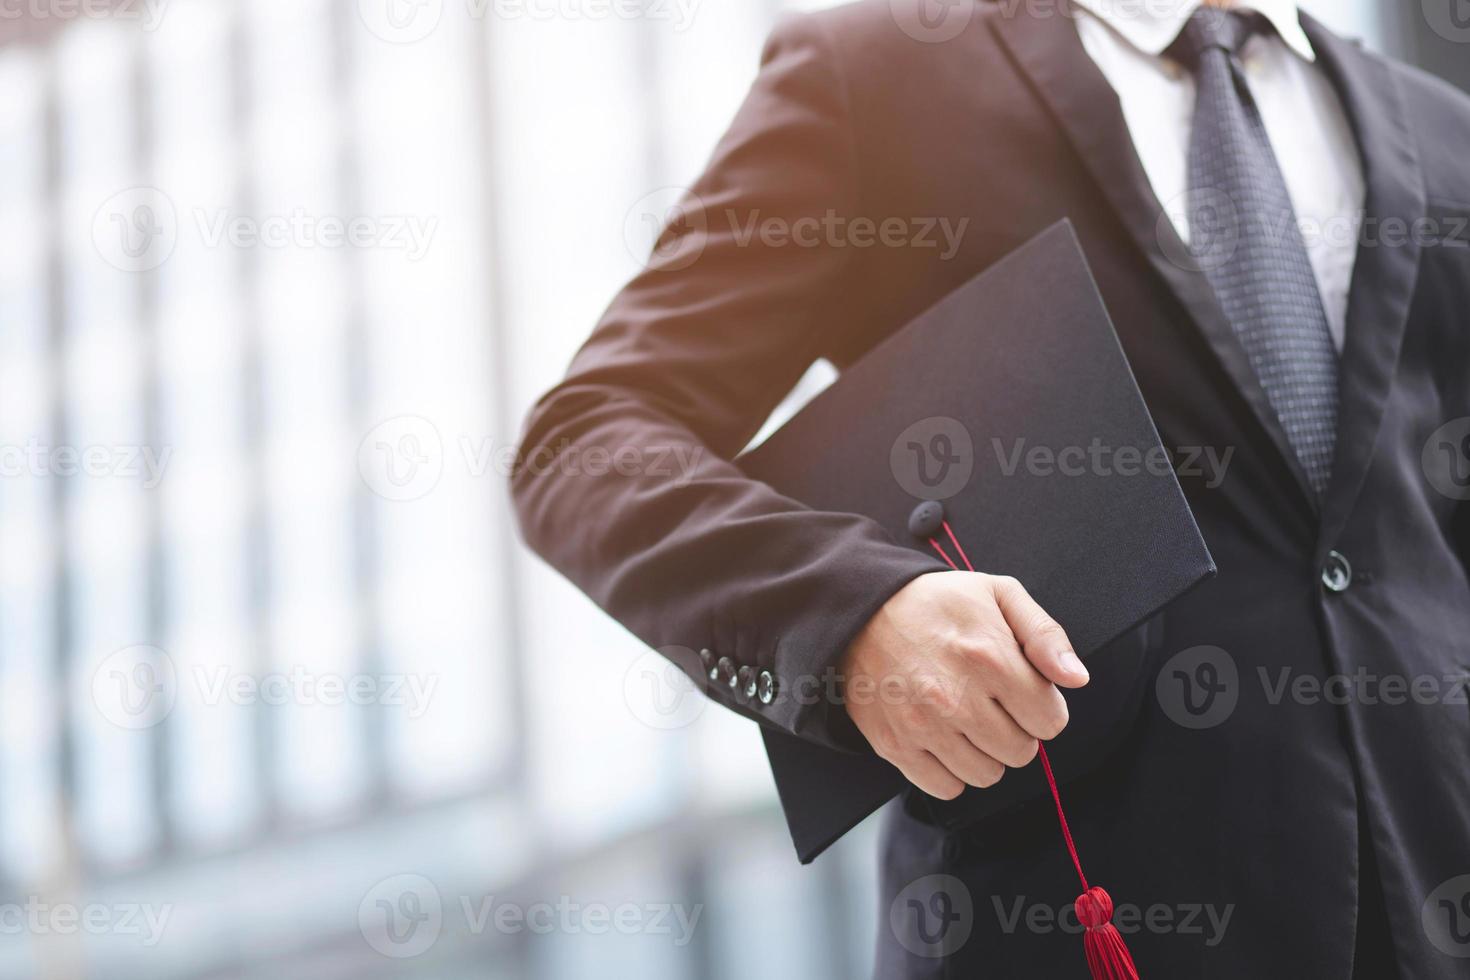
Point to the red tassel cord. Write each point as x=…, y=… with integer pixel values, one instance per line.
x=1107, y=955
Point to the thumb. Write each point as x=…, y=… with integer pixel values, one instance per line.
x=1042, y=638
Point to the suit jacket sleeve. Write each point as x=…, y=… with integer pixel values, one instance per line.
x=687, y=363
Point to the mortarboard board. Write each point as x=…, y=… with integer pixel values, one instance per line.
x=1003, y=426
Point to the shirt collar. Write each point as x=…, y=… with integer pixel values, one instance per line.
x=1152, y=25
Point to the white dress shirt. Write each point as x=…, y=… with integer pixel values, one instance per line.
x=1304, y=119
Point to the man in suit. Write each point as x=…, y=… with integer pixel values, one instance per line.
x=1277, y=221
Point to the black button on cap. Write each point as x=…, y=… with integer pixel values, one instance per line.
x=927, y=520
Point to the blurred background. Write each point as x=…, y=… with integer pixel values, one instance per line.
x=280, y=693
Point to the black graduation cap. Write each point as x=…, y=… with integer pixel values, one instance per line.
x=1004, y=427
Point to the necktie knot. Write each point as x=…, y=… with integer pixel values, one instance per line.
x=1212, y=29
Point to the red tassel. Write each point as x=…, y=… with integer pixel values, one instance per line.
x=1107, y=957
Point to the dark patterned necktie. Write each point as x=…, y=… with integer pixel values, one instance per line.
x=1245, y=237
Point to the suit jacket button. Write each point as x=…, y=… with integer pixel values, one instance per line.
x=765, y=687
x=1337, y=574
x=725, y=671
x=745, y=683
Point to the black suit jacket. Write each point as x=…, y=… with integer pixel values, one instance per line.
x=1254, y=813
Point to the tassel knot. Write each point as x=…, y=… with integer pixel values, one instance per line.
x=1107, y=957
x=1095, y=909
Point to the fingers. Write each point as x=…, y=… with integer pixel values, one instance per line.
x=992, y=730
x=1007, y=677
x=925, y=771
x=966, y=762
x=1043, y=641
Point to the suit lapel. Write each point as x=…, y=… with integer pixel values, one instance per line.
x=1050, y=52
x=1387, y=265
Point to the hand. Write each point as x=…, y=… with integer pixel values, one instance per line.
x=956, y=679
